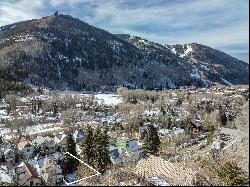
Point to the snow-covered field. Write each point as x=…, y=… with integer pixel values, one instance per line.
x=108, y=99
x=42, y=128
x=5, y=132
x=33, y=130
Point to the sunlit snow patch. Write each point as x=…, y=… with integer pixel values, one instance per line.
x=108, y=99
x=189, y=49
x=226, y=82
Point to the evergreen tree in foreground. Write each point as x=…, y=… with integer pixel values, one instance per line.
x=151, y=141
x=102, y=159
x=69, y=164
x=88, y=146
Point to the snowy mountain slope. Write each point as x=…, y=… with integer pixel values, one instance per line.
x=62, y=52
x=224, y=68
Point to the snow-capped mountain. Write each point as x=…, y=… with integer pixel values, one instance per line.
x=63, y=52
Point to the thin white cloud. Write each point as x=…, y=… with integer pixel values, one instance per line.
x=56, y=3
x=22, y=10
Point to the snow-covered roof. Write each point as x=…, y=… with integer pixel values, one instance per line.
x=143, y=129
x=37, y=162
x=115, y=155
x=39, y=140
x=216, y=145
x=132, y=145
x=48, y=139
x=6, y=175
x=23, y=143
x=176, y=131
x=61, y=135
x=8, y=151
x=158, y=181
x=151, y=112
x=164, y=131
x=25, y=171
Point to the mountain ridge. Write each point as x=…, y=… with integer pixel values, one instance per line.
x=63, y=52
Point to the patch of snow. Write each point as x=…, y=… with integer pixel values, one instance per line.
x=78, y=59
x=151, y=112
x=6, y=175
x=59, y=71
x=143, y=41
x=173, y=50
x=189, y=49
x=42, y=128
x=205, y=67
x=171, y=85
x=3, y=113
x=24, y=100
x=226, y=82
x=3, y=104
x=196, y=74
x=158, y=181
x=108, y=99
x=115, y=45
x=60, y=56
x=70, y=177
x=3, y=40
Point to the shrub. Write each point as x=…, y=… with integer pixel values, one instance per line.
x=230, y=174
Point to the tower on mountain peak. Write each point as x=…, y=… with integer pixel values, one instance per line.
x=56, y=13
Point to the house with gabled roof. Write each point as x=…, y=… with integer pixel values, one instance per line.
x=25, y=149
x=130, y=147
x=60, y=140
x=6, y=176
x=40, y=142
x=27, y=175
x=115, y=155
x=8, y=153
x=43, y=143
x=10, y=157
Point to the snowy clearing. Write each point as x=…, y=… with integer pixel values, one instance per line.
x=108, y=99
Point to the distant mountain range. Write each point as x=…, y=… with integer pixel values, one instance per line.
x=62, y=52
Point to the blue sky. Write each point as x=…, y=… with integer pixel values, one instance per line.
x=221, y=24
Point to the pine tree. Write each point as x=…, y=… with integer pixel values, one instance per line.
x=211, y=133
x=69, y=164
x=152, y=141
x=88, y=146
x=55, y=109
x=168, y=122
x=102, y=159
x=223, y=117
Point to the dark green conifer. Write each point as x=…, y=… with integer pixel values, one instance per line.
x=69, y=164
x=151, y=141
